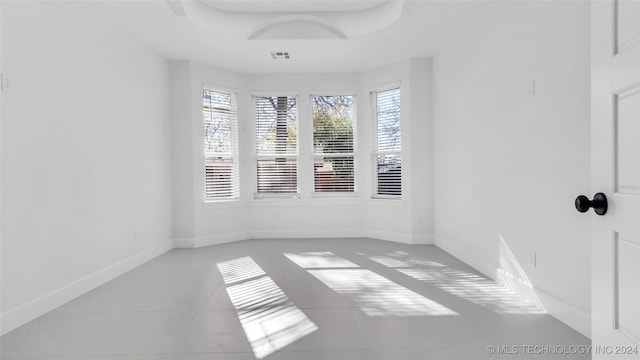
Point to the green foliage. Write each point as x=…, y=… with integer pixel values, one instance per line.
x=332, y=124
x=333, y=131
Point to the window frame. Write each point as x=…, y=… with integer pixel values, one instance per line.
x=375, y=152
x=353, y=154
x=235, y=146
x=257, y=157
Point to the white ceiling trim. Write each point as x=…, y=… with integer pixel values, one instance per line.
x=296, y=27
x=391, y=32
x=293, y=6
x=302, y=25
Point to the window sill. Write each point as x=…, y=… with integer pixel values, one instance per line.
x=315, y=201
x=335, y=195
x=217, y=204
x=386, y=201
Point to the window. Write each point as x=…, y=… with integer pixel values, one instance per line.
x=333, y=144
x=219, y=110
x=387, y=157
x=276, y=145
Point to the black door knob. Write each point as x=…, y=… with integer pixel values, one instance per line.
x=599, y=203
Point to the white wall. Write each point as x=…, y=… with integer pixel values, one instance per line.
x=309, y=216
x=421, y=151
x=183, y=177
x=197, y=223
x=85, y=155
x=509, y=164
x=409, y=220
x=217, y=224
x=194, y=222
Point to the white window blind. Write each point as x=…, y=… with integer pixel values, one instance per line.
x=388, y=159
x=276, y=144
x=220, y=115
x=333, y=143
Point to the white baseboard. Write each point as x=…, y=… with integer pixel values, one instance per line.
x=292, y=234
x=263, y=234
x=302, y=234
x=575, y=318
x=24, y=313
x=403, y=238
x=566, y=313
x=423, y=240
x=486, y=268
x=184, y=243
x=219, y=239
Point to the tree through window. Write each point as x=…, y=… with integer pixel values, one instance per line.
x=333, y=144
x=276, y=144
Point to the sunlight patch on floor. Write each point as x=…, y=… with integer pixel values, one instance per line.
x=375, y=295
x=402, y=259
x=320, y=259
x=475, y=288
x=269, y=319
x=469, y=286
x=239, y=269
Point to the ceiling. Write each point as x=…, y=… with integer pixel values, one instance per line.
x=292, y=6
x=320, y=36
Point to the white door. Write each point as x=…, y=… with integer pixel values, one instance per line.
x=615, y=171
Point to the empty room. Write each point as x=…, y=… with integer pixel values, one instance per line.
x=288, y=179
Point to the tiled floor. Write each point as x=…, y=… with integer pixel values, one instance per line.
x=338, y=299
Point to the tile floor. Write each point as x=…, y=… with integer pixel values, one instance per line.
x=311, y=299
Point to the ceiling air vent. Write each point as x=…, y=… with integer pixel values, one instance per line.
x=280, y=55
